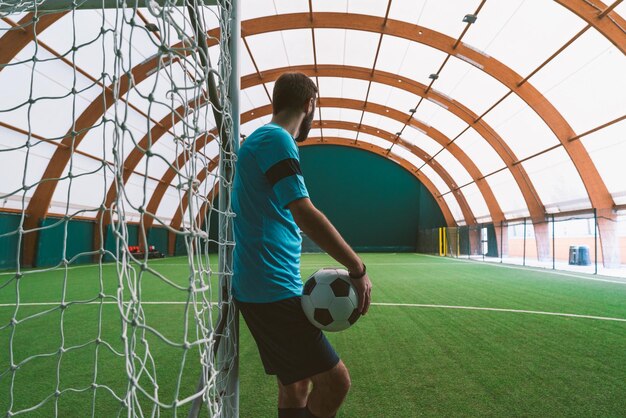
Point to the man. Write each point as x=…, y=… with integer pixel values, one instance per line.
x=271, y=202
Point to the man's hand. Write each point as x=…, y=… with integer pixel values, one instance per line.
x=364, y=292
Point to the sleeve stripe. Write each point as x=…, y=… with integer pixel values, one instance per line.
x=282, y=169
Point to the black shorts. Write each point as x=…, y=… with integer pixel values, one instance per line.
x=289, y=345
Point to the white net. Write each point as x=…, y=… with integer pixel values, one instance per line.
x=116, y=145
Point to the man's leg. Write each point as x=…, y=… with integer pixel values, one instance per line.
x=292, y=399
x=329, y=391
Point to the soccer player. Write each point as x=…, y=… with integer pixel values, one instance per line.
x=272, y=204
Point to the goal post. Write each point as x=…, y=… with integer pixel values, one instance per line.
x=119, y=131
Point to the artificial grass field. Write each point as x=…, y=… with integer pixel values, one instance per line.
x=405, y=361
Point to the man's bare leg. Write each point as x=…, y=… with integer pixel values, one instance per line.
x=294, y=395
x=329, y=391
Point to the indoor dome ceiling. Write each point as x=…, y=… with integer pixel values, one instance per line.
x=518, y=114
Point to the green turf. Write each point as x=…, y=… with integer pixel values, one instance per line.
x=404, y=361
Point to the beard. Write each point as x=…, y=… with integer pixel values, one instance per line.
x=305, y=126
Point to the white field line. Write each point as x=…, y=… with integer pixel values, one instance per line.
x=475, y=308
x=528, y=268
x=409, y=305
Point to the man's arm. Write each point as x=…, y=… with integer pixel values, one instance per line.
x=317, y=227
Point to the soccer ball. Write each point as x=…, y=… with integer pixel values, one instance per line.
x=329, y=300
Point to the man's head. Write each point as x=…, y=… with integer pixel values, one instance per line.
x=296, y=93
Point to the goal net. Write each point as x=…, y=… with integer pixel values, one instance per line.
x=118, y=136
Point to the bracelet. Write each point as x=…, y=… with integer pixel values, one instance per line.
x=358, y=276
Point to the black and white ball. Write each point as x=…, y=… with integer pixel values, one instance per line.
x=329, y=300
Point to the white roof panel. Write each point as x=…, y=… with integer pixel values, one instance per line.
x=330, y=87
x=27, y=166
x=334, y=42
x=455, y=208
x=480, y=152
x=607, y=149
x=446, y=16
x=351, y=89
x=298, y=45
x=257, y=8
x=268, y=51
x=458, y=173
x=476, y=202
x=508, y=194
x=346, y=47
x=371, y=139
x=443, y=120
x=407, y=10
x=470, y=86
x=417, y=138
x=520, y=127
x=86, y=189
x=419, y=62
x=586, y=82
x=557, y=181
x=435, y=178
x=522, y=35
x=407, y=155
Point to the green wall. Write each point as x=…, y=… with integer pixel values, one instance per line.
x=53, y=238
x=158, y=237
x=374, y=203
x=8, y=244
x=110, y=243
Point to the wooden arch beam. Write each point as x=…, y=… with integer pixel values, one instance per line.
x=597, y=191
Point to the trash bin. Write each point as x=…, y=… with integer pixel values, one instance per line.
x=583, y=256
x=573, y=255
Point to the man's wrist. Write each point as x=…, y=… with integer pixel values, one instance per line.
x=358, y=274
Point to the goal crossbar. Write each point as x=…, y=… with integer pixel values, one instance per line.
x=64, y=5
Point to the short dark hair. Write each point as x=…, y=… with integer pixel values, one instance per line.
x=292, y=91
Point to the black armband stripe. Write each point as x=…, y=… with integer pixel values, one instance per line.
x=282, y=169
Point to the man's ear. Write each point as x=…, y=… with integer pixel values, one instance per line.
x=310, y=105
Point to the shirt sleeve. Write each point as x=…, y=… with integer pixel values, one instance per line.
x=279, y=160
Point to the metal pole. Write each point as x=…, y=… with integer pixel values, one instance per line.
x=482, y=243
x=228, y=354
x=227, y=330
x=469, y=244
x=501, y=240
x=553, y=246
x=595, y=239
x=524, y=256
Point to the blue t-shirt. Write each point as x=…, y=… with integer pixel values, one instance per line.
x=268, y=242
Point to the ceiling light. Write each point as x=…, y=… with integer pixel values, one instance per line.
x=470, y=19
